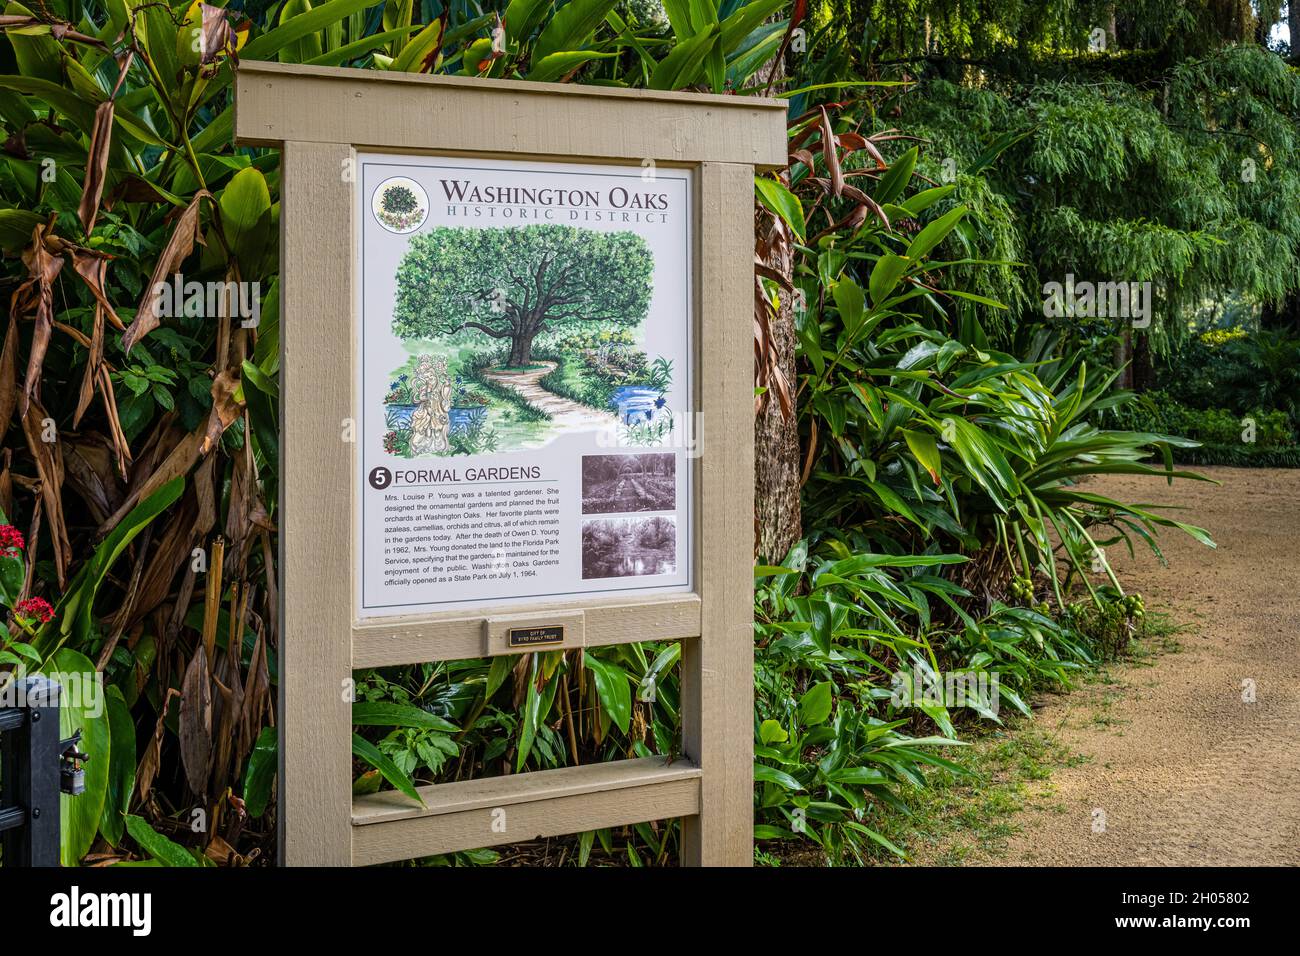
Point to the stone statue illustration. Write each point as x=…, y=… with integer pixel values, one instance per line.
x=431, y=420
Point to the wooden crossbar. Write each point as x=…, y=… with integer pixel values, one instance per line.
x=470, y=814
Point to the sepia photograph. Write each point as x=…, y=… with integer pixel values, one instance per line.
x=622, y=483
x=628, y=547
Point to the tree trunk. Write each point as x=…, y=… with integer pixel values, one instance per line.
x=1283, y=316
x=1123, y=353
x=521, y=351
x=777, y=516
x=1143, y=368
x=778, y=519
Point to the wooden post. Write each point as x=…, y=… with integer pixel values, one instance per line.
x=718, y=667
x=316, y=506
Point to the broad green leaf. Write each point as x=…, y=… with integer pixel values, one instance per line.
x=308, y=45
x=245, y=206
x=851, y=303
x=926, y=451
x=537, y=704
x=558, y=65
x=777, y=198
x=522, y=16
x=571, y=26
x=501, y=667
x=765, y=774
x=925, y=199
x=82, y=708
x=159, y=848
x=613, y=689
x=358, y=48
x=746, y=20
x=771, y=732
x=389, y=714
x=896, y=178
x=934, y=233
x=54, y=95
x=36, y=53
x=372, y=755
x=16, y=227
x=13, y=572
x=684, y=63
x=888, y=270
x=260, y=773
x=420, y=54
x=121, y=767
x=680, y=19
x=273, y=41
x=815, y=706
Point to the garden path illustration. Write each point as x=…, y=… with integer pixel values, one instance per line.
x=566, y=413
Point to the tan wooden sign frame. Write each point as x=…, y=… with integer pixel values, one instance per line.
x=320, y=117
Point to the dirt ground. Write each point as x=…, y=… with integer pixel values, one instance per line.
x=1181, y=768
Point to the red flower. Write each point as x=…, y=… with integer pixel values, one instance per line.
x=11, y=541
x=36, y=607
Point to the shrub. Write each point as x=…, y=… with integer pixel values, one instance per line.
x=1222, y=434
x=398, y=200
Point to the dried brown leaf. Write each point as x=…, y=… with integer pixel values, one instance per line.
x=195, y=723
x=92, y=187
x=88, y=462
x=186, y=233
x=36, y=296
x=830, y=157
x=150, y=761
x=48, y=456
x=9, y=374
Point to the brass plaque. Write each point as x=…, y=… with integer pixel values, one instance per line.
x=532, y=636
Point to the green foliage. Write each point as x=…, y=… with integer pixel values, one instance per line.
x=176, y=440
x=839, y=634
x=520, y=282
x=947, y=526
x=1045, y=118
x=1258, y=438
x=515, y=713
x=399, y=199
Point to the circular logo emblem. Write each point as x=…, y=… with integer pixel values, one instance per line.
x=380, y=478
x=400, y=205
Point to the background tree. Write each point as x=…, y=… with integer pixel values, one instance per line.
x=516, y=283
x=1045, y=117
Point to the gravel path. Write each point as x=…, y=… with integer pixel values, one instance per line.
x=565, y=413
x=1182, y=770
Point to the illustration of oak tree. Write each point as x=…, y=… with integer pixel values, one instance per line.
x=517, y=282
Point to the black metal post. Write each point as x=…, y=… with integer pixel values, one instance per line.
x=29, y=773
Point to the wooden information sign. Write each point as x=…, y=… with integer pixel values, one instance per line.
x=453, y=250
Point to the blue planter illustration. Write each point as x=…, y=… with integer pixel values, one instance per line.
x=633, y=402
x=399, y=416
x=465, y=418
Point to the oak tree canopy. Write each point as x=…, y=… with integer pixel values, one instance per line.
x=514, y=283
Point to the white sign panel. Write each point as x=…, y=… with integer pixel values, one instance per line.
x=527, y=429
